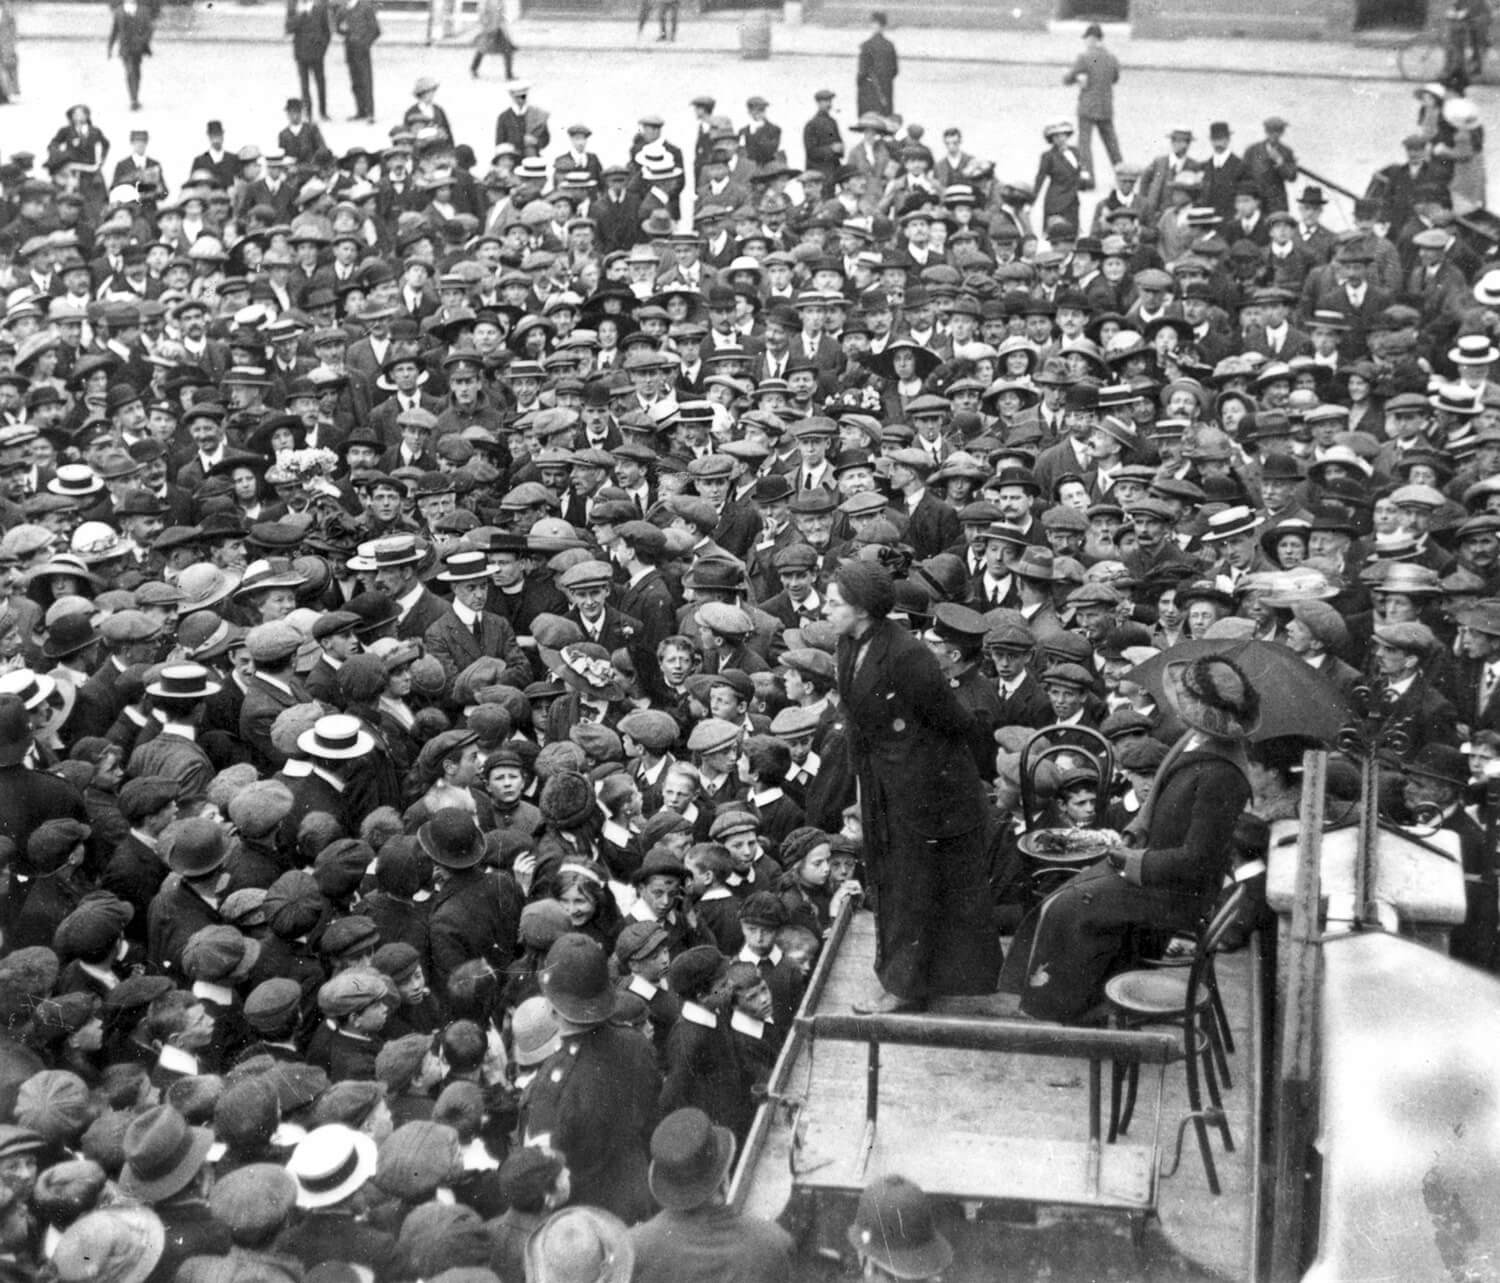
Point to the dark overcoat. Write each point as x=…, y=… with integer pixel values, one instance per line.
x=923, y=811
x=876, y=76
x=596, y=1098
x=1087, y=930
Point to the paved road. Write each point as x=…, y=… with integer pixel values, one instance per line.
x=1341, y=128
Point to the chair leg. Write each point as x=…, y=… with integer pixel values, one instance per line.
x=1211, y=1081
x=1195, y=1107
x=1116, y=1077
x=1132, y=1084
x=1220, y=1015
x=1211, y=1028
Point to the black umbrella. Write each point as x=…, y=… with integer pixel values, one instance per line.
x=1295, y=699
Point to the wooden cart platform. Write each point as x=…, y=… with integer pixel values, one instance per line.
x=1000, y=1117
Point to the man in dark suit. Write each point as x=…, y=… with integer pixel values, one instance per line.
x=875, y=75
x=224, y=165
x=1022, y=701
x=640, y=547
x=1395, y=186
x=395, y=561
x=361, y=29
x=334, y=633
x=1222, y=172
x=587, y=585
x=1476, y=684
x=1272, y=164
x=310, y=25
x=1434, y=783
x=1276, y=337
x=130, y=31
x=1356, y=298
x=821, y=139
x=932, y=524
x=1406, y=698
x=271, y=690
x=133, y=637
x=739, y=523
x=617, y=213
x=468, y=631
x=760, y=140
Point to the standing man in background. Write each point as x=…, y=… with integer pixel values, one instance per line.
x=310, y=25
x=131, y=32
x=875, y=80
x=1095, y=72
x=361, y=29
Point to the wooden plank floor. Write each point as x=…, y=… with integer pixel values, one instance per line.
x=927, y=1095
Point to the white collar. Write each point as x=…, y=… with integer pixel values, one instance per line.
x=180, y=729
x=742, y=1023
x=328, y=777
x=766, y=796
x=754, y=959
x=466, y=616
x=221, y=994
x=808, y=768
x=698, y=1015
x=616, y=832
x=716, y=893
x=175, y=1060
x=643, y=988
x=106, y=978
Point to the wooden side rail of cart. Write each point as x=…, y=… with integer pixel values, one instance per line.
x=1034, y=1170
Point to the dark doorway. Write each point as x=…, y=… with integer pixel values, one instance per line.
x=1407, y=14
x=1095, y=10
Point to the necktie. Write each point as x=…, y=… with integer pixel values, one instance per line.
x=1487, y=683
x=478, y=628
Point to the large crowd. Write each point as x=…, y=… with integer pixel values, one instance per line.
x=436, y=606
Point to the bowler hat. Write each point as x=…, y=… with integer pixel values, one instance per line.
x=575, y=980
x=690, y=1158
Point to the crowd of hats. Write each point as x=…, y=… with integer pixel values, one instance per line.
x=394, y=555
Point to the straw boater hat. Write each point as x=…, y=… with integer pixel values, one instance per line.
x=1214, y=696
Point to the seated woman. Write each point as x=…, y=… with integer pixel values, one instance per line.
x=1085, y=932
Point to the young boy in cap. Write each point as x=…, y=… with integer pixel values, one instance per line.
x=762, y=915
x=357, y=1004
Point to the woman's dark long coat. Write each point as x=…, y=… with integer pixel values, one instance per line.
x=923, y=810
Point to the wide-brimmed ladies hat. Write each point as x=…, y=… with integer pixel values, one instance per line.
x=331, y=1163
x=1214, y=696
x=1029, y=394
x=1272, y=535
x=883, y=363
x=263, y=575
x=690, y=1158
x=119, y=1244
x=203, y=586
